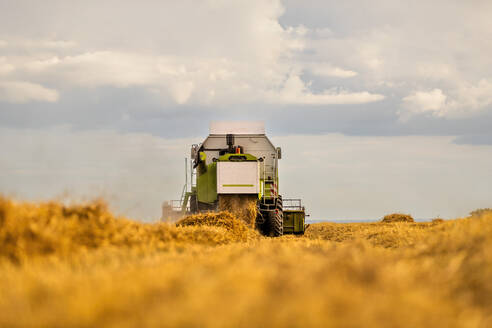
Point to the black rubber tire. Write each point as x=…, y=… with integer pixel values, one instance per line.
x=280, y=205
x=276, y=224
x=273, y=225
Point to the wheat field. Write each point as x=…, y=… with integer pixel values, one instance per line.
x=80, y=266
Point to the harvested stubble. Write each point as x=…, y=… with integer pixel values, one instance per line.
x=30, y=230
x=390, y=275
x=481, y=212
x=394, y=235
x=241, y=206
x=397, y=217
x=226, y=220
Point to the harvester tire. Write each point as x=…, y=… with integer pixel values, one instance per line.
x=280, y=205
x=276, y=223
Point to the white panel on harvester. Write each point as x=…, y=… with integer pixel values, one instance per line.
x=238, y=177
x=237, y=127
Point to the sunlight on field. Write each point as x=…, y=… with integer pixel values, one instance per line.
x=80, y=266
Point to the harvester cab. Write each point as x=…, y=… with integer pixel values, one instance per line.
x=238, y=161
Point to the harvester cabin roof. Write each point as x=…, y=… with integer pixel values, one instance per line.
x=250, y=135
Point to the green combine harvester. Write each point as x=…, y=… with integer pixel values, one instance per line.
x=238, y=159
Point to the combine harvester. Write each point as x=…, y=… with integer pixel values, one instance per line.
x=237, y=161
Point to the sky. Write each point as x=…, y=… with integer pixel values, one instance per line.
x=379, y=106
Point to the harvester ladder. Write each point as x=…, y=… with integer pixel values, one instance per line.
x=184, y=204
x=185, y=194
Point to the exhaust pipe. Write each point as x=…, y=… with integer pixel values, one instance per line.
x=230, y=142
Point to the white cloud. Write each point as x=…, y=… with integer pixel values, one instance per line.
x=53, y=44
x=19, y=92
x=323, y=32
x=431, y=101
x=215, y=53
x=5, y=67
x=473, y=97
x=45, y=44
x=182, y=91
x=295, y=91
x=102, y=68
x=189, y=79
x=39, y=65
x=436, y=71
x=228, y=54
x=465, y=100
x=405, y=48
x=326, y=69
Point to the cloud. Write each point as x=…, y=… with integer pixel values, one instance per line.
x=189, y=79
x=421, y=101
x=195, y=62
x=251, y=58
x=27, y=43
x=5, y=67
x=325, y=69
x=295, y=91
x=100, y=68
x=40, y=65
x=473, y=97
x=463, y=101
x=401, y=48
x=182, y=91
x=48, y=44
x=19, y=92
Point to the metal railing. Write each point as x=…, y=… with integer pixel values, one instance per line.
x=176, y=205
x=293, y=204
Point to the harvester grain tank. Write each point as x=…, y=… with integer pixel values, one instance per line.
x=237, y=159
